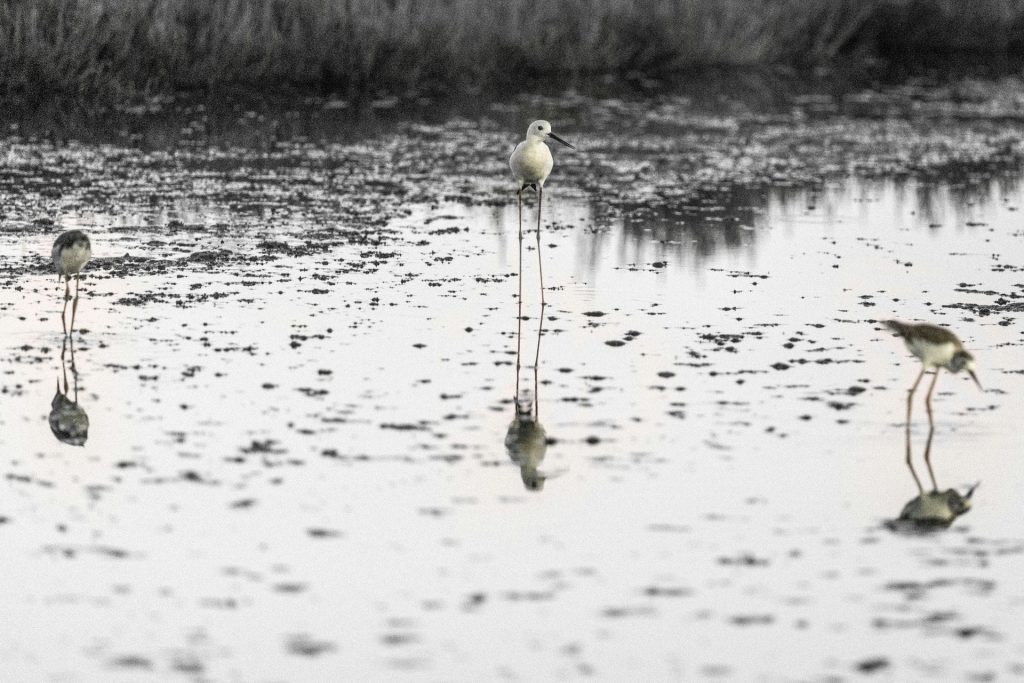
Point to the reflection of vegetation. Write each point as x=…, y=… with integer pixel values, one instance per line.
x=111, y=45
x=729, y=219
x=710, y=223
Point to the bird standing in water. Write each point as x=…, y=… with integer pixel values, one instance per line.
x=937, y=348
x=71, y=251
x=531, y=164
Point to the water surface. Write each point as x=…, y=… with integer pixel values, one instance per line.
x=299, y=381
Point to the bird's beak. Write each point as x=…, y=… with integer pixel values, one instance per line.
x=555, y=137
x=975, y=378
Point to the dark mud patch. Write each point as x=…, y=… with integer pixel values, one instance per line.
x=305, y=645
x=137, y=662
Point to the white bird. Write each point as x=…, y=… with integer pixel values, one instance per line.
x=71, y=251
x=531, y=164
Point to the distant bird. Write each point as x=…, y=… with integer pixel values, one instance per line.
x=71, y=251
x=937, y=348
x=531, y=165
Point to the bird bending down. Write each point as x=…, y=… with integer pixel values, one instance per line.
x=936, y=347
x=531, y=164
x=71, y=251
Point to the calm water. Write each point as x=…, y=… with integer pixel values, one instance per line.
x=296, y=463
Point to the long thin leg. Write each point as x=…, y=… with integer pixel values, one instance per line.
x=931, y=430
x=519, y=315
x=64, y=311
x=74, y=306
x=540, y=261
x=910, y=403
x=520, y=195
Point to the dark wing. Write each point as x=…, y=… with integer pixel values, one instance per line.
x=932, y=334
x=68, y=239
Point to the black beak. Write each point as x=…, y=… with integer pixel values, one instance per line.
x=975, y=378
x=558, y=139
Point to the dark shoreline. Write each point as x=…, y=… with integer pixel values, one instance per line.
x=943, y=89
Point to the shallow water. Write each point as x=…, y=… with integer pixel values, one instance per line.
x=296, y=463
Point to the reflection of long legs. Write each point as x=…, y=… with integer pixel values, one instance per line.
x=536, y=366
x=910, y=402
x=74, y=368
x=67, y=297
x=540, y=262
x=519, y=346
x=63, y=364
x=931, y=430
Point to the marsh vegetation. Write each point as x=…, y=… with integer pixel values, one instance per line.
x=114, y=48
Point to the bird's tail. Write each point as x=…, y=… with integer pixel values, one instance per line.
x=897, y=327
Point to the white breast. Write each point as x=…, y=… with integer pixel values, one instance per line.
x=70, y=261
x=932, y=355
x=531, y=162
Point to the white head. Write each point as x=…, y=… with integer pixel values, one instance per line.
x=541, y=130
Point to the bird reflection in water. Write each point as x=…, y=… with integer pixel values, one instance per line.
x=526, y=442
x=68, y=420
x=932, y=510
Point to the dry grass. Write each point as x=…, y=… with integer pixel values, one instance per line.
x=125, y=46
